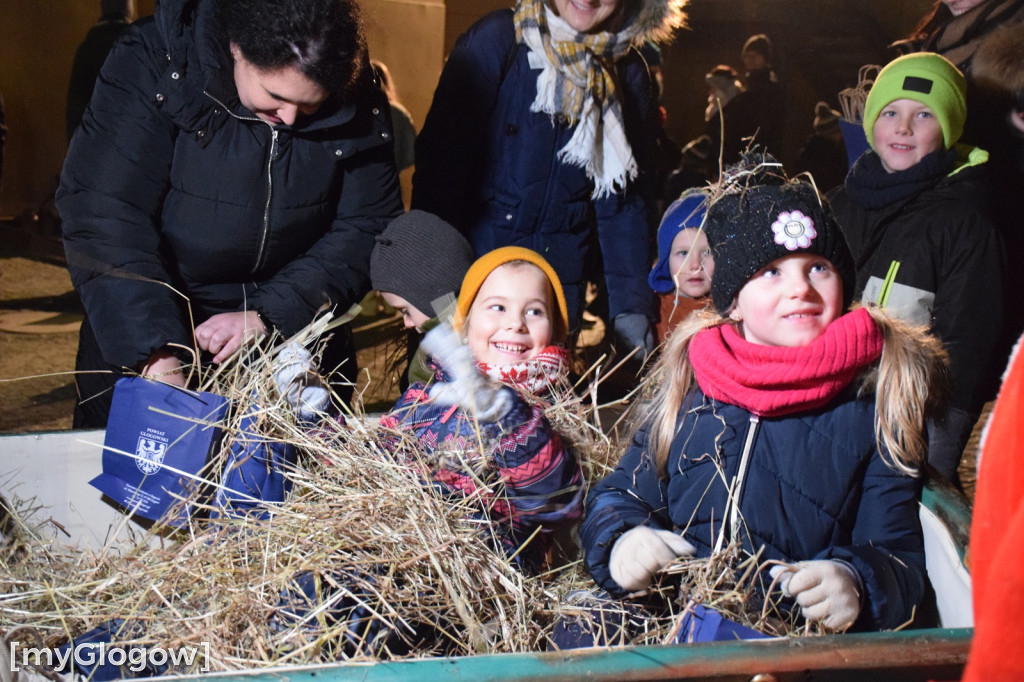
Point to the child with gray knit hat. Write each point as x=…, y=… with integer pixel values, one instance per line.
x=914, y=212
x=417, y=265
x=787, y=425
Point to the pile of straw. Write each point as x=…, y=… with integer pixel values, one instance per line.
x=363, y=561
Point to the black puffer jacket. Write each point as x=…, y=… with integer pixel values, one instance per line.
x=946, y=261
x=950, y=264
x=171, y=185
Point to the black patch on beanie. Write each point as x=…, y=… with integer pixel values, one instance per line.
x=918, y=84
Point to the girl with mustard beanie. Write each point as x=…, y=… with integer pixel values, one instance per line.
x=923, y=244
x=480, y=424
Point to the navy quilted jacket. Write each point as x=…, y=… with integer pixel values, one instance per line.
x=488, y=165
x=171, y=181
x=816, y=487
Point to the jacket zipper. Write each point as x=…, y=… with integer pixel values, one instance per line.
x=736, y=488
x=265, y=235
x=266, y=207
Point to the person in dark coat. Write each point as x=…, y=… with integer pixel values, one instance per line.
x=727, y=121
x=969, y=33
x=115, y=17
x=913, y=212
x=763, y=100
x=762, y=432
x=514, y=152
x=823, y=154
x=228, y=179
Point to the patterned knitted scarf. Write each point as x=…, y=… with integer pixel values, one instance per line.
x=773, y=381
x=576, y=82
x=535, y=376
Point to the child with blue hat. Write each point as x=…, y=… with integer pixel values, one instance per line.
x=682, y=275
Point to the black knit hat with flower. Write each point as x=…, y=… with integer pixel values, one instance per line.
x=758, y=216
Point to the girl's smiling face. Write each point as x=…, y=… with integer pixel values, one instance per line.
x=905, y=132
x=510, y=319
x=690, y=263
x=789, y=302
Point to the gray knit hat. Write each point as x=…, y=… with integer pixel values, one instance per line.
x=763, y=216
x=420, y=258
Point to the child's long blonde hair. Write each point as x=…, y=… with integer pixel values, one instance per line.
x=909, y=383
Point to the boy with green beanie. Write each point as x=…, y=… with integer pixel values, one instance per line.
x=924, y=247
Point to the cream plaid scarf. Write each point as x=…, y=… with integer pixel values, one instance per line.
x=576, y=81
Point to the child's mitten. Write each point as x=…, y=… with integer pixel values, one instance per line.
x=298, y=383
x=634, y=330
x=469, y=388
x=641, y=552
x=826, y=590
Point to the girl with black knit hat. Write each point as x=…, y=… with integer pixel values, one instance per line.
x=782, y=424
x=538, y=135
x=913, y=211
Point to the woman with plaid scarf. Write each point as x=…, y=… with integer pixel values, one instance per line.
x=540, y=135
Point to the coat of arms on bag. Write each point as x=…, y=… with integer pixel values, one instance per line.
x=150, y=453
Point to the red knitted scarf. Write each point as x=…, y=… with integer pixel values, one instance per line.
x=534, y=376
x=772, y=381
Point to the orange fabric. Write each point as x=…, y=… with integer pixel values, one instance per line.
x=673, y=311
x=997, y=538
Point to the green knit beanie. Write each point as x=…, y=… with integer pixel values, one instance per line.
x=924, y=77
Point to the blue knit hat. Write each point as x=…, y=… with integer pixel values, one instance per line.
x=685, y=212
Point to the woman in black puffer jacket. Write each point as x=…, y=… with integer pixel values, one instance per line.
x=228, y=174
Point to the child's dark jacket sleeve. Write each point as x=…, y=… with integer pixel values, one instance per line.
x=886, y=549
x=541, y=475
x=630, y=496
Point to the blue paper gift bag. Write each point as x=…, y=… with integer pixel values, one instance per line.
x=701, y=624
x=157, y=436
x=254, y=475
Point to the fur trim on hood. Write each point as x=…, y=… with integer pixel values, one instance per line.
x=657, y=19
x=999, y=61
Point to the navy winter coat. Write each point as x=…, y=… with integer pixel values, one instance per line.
x=171, y=182
x=816, y=487
x=489, y=166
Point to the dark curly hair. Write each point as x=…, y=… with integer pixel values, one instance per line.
x=323, y=39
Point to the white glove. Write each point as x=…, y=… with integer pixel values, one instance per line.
x=469, y=388
x=641, y=552
x=826, y=591
x=298, y=383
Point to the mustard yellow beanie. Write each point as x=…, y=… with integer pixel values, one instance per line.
x=491, y=261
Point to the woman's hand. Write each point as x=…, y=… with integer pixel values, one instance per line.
x=223, y=334
x=165, y=367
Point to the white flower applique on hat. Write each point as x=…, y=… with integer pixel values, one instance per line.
x=794, y=230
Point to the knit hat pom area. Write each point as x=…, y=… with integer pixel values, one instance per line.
x=491, y=261
x=757, y=215
x=924, y=77
x=421, y=258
